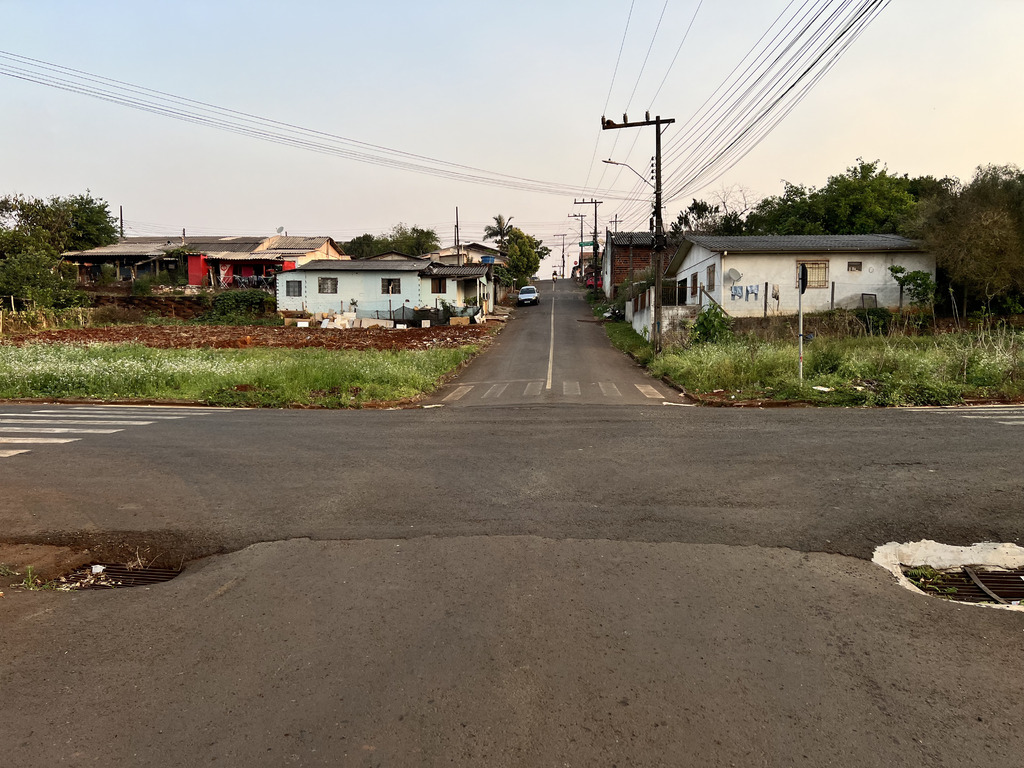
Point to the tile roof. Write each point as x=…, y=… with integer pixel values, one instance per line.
x=762, y=243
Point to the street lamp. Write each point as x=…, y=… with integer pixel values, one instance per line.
x=634, y=170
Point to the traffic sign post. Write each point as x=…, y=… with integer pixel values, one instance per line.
x=800, y=315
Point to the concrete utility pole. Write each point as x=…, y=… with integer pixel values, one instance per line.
x=563, y=254
x=595, y=203
x=659, y=228
x=581, y=217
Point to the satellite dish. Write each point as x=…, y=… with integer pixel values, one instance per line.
x=733, y=274
x=280, y=230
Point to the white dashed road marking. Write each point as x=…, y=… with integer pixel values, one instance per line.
x=648, y=391
x=457, y=394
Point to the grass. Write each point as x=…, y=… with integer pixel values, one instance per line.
x=254, y=377
x=863, y=371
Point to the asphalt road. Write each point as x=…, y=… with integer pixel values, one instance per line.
x=546, y=582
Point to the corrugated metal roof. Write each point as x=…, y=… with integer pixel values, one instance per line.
x=444, y=270
x=762, y=243
x=232, y=256
x=639, y=239
x=349, y=265
x=306, y=244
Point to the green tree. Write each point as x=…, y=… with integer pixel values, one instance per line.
x=412, y=241
x=523, y=254
x=499, y=231
x=976, y=233
x=866, y=199
x=39, y=277
x=74, y=223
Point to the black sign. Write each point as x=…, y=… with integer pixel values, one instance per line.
x=803, y=278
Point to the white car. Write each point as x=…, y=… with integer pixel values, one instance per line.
x=528, y=295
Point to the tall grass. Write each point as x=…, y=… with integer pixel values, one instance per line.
x=890, y=370
x=270, y=377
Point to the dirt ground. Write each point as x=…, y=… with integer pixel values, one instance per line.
x=250, y=336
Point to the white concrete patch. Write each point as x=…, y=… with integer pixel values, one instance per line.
x=941, y=556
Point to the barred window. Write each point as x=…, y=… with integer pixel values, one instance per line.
x=711, y=277
x=693, y=284
x=292, y=287
x=817, y=274
x=327, y=285
x=391, y=285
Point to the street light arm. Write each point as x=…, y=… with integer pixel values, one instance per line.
x=634, y=170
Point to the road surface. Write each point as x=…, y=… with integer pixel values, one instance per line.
x=542, y=581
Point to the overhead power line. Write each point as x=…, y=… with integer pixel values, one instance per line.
x=262, y=128
x=794, y=54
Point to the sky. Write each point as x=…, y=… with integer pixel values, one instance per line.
x=928, y=87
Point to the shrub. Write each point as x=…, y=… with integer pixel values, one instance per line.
x=712, y=326
x=250, y=303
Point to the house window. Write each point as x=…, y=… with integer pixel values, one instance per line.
x=817, y=274
x=693, y=284
x=854, y=266
x=438, y=285
x=711, y=277
x=390, y=285
x=292, y=287
x=327, y=285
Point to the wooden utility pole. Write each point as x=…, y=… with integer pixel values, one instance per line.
x=659, y=228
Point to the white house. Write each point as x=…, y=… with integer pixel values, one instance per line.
x=380, y=287
x=759, y=275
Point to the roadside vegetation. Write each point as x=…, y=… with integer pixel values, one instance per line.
x=226, y=377
x=889, y=369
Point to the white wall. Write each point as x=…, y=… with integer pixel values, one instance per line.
x=780, y=270
x=365, y=287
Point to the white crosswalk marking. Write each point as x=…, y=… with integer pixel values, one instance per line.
x=571, y=388
x=608, y=389
x=458, y=394
x=1004, y=415
x=648, y=391
x=495, y=390
x=36, y=440
x=65, y=422
x=102, y=415
x=85, y=420
x=533, y=388
x=60, y=430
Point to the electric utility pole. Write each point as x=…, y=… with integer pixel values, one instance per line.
x=659, y=228
x=581, y=217
x=593, y=242
x=563, y=254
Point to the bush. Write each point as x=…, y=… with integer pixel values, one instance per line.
x=712, y=326
x=250, y=303
x=877, y=321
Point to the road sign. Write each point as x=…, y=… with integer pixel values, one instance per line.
x=575, y=263
x=587, y=244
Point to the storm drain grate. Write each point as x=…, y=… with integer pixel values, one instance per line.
x=970, y=584
x=113, y=575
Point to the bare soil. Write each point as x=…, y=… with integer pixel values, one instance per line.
x=251, y=336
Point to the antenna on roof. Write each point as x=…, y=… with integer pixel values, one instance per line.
x=280, y=230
